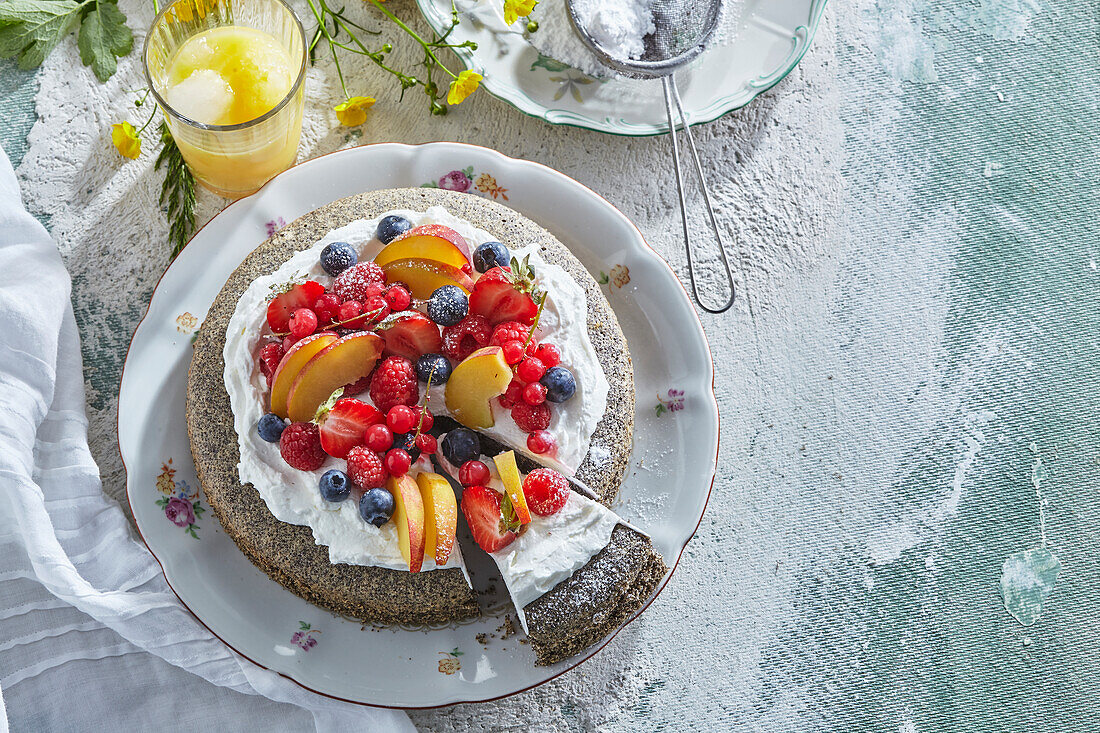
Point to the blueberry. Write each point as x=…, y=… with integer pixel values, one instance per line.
x=270, y=427
x=335, y=485
x=489, y=255
x=461, y=445
x=390, y=227
x=560, y=384
x=435, y=365
x=337, y=257
x=407, y=442
x=448, y=305
x=376, y=506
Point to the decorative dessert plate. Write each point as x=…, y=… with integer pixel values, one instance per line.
x=771, y=39
x=665, y=491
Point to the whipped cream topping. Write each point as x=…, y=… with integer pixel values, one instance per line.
x=550, y=549
x=292, y=496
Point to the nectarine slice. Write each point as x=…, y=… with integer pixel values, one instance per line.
x=478, y=378
x=424, y=277
x=513, y=485
x=408, y=517
x=291, y=365
x=440, y=516
x=436, y=249
x=341, y=362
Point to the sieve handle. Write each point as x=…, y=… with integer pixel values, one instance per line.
x=672, y=94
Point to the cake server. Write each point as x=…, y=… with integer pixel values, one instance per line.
x=682, y=30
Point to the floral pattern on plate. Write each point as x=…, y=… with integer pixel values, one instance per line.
x=674, y=403
x=181, y=505
x=466, y=181
x=450, y=663
x=304, y=637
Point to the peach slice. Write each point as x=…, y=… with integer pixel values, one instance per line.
x=424, y=277
x=291, y=364
x=443, y=232
x=341, y=362
x=440, y=516
x=408, y=517
x=478, y=378
x=422, y=247
x=513, y=485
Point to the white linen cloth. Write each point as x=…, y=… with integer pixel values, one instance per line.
x=90, y=634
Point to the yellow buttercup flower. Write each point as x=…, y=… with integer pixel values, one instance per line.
x=462, y=87
x=126, y=139
x=353, y=112
x=516, y=9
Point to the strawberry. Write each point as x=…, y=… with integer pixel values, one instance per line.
x=481, y=507
x=300, y=446
x=465, y=337
x=504, y=300
x=365, y=468
x=344, y=425
x=283, y=305
x=530, y=418
x=394, y=383
x=411, y=335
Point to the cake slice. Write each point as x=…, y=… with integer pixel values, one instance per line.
x=575, y=571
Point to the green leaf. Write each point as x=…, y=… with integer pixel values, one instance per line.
x=104, y=38
x=549, y=64
x=30, y=29
x=177, y=193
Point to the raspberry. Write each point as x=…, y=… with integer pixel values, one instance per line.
x=303, y=322
x=394, y=383
x=327, y=308
x=530, y=370
x=466, y=337
x=365, y=468
x=530, y=418
x=513, y=394
x=398, y=462
x=540, y=442
x=357, y=387
x=427, y=444
x=548, y=354
x=270, y=356
x=546, y=491
x=398, y=298
x=288, y=341
x=513, y=351
x=355, y=283
x=534, y=394
x=509, y=331
x=300, y=446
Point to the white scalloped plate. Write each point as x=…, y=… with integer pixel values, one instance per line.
x=392, y=666
x=771, y=39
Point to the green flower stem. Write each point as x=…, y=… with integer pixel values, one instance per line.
x=323, y=28
x=424, y=44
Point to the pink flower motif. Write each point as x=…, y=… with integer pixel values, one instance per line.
x=179, y=512
x=674, y=403
x=275, y=225
x=455, y=181
x=303, y=638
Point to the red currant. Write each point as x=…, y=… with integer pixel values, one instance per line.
x=303, y=322
x=540, y=442
x=401, y=418
x=327, y=308
x=350, y=310
x=473, y=473
x=424, y=418
x=549, y=355
x=397, y=462
x=376, y=308
x=513, y=351
x=427, y=444
x=530, y=370
x=534, y=394
x=379, y=438
x=398, y=298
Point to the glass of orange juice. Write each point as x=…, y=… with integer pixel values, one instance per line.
x=229, y=77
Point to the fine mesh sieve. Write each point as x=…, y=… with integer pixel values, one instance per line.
x=682, y=29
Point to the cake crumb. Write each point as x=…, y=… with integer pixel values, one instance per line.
x=482, y=638
x=508, y=628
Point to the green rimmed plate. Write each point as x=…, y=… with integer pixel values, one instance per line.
x=772, y=38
